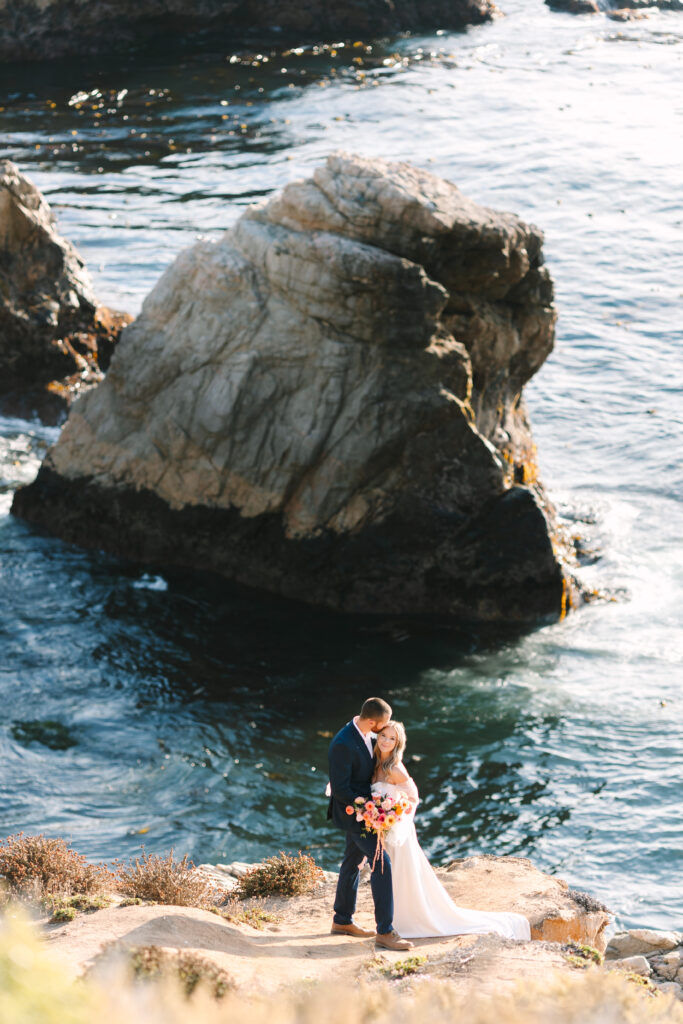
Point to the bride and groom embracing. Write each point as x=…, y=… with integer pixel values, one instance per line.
x=366, y=759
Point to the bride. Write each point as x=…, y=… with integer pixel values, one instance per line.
x=422, y=907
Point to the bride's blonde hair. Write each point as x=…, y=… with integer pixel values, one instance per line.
x=396, y=755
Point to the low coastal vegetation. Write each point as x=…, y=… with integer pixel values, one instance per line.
x=38, y=867
x=165, y=880
x=151, y=963
x=151, y=981
x=157, y=989
x=50, y=872
x=252, y=912
x=283, y=875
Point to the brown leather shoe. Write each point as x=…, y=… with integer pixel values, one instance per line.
x=392, y=940
x=350, y=929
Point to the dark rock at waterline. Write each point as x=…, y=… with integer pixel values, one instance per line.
x=621, y=10
x=500, y=568
x=55, y=340
x=47, y=731
x=55, y=28
x=327, y=405
x=574, y=6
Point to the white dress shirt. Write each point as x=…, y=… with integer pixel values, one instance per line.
x=368, y=737
x=367, y=740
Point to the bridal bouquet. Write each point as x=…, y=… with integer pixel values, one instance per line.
x=379, y=814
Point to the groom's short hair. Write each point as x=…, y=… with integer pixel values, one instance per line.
x=375, y=708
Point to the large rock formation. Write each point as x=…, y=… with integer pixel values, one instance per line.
x=53, y=335
x=32, y=29
x=327, y=404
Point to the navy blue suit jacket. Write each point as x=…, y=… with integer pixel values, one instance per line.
x=351, y=768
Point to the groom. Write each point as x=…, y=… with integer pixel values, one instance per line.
x=352, y=763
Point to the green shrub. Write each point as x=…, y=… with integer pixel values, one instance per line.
x=586, y=954
x=65, y=908
x=63, y=913
x=37, y=866
x=155, y=964
x=283, y=875
x=254, y=913
x=403, y=968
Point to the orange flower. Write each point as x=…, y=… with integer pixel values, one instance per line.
x=350, y=809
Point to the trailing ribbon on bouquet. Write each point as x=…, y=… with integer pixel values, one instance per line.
x=379, y=815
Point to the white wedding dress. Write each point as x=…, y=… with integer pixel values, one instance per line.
x=422, y=907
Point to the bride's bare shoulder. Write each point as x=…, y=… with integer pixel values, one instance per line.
x=398, y=774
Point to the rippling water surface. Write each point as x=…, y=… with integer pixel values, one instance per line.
x=196, y=715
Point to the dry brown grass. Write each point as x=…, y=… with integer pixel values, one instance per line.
x=38, y=867
x=283, y=875
x=35, y=990
x=166, y=880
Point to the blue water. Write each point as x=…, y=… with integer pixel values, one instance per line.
x=198, y=714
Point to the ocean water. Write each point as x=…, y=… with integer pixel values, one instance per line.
x=195, y=715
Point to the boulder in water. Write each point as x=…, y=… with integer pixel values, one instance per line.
x=55, y=339
x=327, y=405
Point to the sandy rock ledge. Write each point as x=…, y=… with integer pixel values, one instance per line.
x=299, y=945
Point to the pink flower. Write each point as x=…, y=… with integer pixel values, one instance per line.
x=359, y=817
x=359, y=800
x=369, y=806
x=387, y=803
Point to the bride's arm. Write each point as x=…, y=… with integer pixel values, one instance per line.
x=400, y=777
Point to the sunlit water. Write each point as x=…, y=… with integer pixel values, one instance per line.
x=198, y=716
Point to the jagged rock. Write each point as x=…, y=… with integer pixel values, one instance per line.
x=555, y=912
x=642, y=940
x=54, y=337
x=633, y=964
x=668, y=965
x=670, y=988
x=327, y=404
x=55, y=28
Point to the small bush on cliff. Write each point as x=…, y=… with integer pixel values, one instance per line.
x=155, y=964
x=165, y=880
x=65, y=908
x=283, y=875
x=37, y=867
x=253, y=913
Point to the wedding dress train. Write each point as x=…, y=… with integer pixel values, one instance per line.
x=422, y=907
